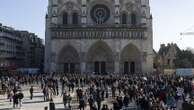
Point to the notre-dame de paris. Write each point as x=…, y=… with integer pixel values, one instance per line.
x=101, y=36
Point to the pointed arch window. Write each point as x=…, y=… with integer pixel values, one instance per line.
x=65, y=18
x=75, y=18
x=133, y=19
x=124, y=18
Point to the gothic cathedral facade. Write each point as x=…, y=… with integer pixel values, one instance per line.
x=99, y=36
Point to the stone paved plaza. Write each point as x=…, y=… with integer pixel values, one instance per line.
x=38, y=103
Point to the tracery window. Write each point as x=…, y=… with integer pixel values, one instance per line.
x=65, y=18
x=133, y=19
x=75, y=18
x=124, y=18
x=100, y=13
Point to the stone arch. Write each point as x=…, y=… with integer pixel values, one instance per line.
x=92, y=3
x=100, y=54
x=68, y=60
x=70, y=7
x=130, y=59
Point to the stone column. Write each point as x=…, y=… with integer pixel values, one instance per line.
x=116, y=66
x=83, y=67
x=53, y=59
x=117, y=11
x=116, y=62
x=54, y=12
x=84, y=12
x=83, y=62
x=60, y=68
x=53, y=67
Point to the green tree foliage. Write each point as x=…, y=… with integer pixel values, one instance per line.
x=184, y=59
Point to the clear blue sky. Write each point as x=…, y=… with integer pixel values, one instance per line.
x=170, y=18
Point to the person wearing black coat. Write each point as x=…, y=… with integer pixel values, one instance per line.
x=15, y=100
x=120, y=102
x=103, y=107
x=115, y=106
x=31, y=92
x=14, y=90
x=144, y=104
x=51, y=105
x=91, y=102
x=98, y=100
x=126, y=101
x=82, y=103
x=65, y=98
x=20, y=96
x=187, y=106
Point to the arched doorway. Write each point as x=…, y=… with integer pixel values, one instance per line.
x=130, y=60
x=69, y=60
x=100, y=58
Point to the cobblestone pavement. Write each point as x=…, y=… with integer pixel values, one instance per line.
x=38, y=102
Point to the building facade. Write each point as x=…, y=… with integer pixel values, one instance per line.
x=20, y=49
x=101, y=36
x=33, y=50
x=11, y=51
x=167, y=55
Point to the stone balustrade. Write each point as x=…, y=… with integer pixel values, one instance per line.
x=98, y=33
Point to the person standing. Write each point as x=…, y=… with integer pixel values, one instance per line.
x=51, y=105
x=15, y=100
x=65, y=98
x=113, y=91
x=69, y=101
x=15, y=90
x=98, y=99
x=91, y=102
x=105, y=107
x=31, y=92
x=45, y=93
x=82, y=103
x=62, y=86
x=57, y=87
x=115, y=105
x=126, y=100
x=10, y=95
x=20, y=96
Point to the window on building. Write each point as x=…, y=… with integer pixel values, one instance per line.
x=124, y=18
x=65, y=18
x=75, y=18
x=133, y=19
x=168, y=62
x=174, y=61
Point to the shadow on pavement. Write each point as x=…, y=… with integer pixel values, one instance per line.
x=33, y=102
x=64, y=109
x=38, y=96
x=37, y=92
x=6, y=109
x=58, y=103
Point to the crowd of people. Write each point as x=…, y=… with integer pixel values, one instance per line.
x=143, y=92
